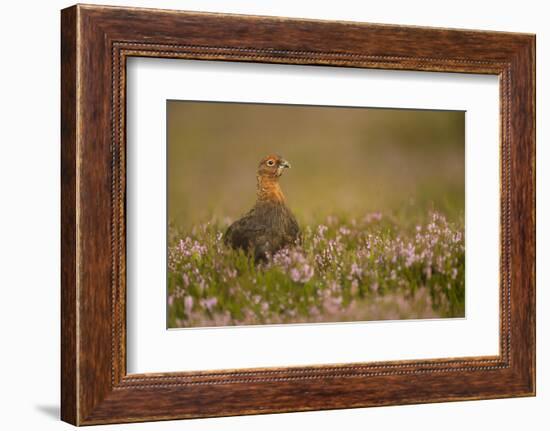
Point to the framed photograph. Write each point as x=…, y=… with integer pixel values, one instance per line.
x=266, y=215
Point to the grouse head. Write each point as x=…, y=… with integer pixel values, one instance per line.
x=272, y=166
x=269, y=171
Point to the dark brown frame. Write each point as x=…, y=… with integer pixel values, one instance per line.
x=95, y=43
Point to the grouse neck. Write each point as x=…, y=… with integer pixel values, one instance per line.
x=269, y=190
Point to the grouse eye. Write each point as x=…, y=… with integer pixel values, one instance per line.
x=270, y=163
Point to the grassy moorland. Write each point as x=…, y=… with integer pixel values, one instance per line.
x=370, y=268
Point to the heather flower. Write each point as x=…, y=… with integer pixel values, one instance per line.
x=372, y=217
x=323, y=278
x=294, y=263
x=354, y=287
x=231, y=272
x=209, y=303
x=332, y=305
x=344, y=230
x=188, y=304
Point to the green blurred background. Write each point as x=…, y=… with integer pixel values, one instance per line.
x=345, y=161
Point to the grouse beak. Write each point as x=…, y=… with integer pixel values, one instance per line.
x=284, y=164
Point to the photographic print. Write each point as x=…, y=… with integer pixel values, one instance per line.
x=281, y=214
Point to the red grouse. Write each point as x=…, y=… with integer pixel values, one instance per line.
x=270, y=225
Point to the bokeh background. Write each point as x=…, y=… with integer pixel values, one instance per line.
x=345, y=161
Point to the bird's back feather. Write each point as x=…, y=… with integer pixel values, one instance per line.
x=267, y=228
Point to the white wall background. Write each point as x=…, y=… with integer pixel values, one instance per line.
x=29, y=215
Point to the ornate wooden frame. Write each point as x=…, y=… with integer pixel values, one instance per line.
x=95, y=43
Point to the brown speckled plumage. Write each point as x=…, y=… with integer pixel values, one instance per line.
x=269, y=225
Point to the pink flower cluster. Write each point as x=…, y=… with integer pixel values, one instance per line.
x=294, y=263
x=340, y=269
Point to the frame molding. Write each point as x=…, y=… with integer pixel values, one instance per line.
x=95, y=43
